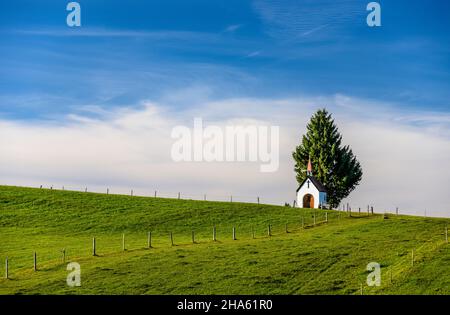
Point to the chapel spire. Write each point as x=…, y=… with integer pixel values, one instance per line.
x=309, y=168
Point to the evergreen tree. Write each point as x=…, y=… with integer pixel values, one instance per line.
x=333, y=164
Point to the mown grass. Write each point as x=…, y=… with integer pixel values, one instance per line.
x=326, y=258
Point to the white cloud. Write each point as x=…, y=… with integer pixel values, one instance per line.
x=292, y=19
x=405, y=164
x=232, y=28
x=98, y=32
x=254, y=54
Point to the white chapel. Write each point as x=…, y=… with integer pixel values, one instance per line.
x=311, y=193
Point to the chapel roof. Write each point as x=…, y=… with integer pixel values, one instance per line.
x=315, y=182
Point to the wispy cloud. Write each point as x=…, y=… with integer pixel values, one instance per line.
x=288, y=19
x=232, y=28
x=315, y=29
x=97, y=32
x=254, y=54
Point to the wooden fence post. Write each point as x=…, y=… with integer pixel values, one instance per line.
x=6, y=268
x=64, y=255
x=446, y=234
x=269, y=232
x=371, y=209
x=359, y=210
x=314, y=217
x=396, y=210
x=258, y=200
x=123, y=242
x=234, y=233
x=155, y=193
x=253, y=232
x=131, y=193
x=93, y=247
x=85, y=189
x=107, y=191
x=231, y=198
x=179, y=195
x=214, y=233
x=326, y=217
x=149, y=239
x=368, y=210
x=35, y=261
x=171, y=238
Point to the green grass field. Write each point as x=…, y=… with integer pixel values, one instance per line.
x=322, y=258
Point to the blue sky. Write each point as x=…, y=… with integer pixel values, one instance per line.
x=94, y=106
x=128, y=51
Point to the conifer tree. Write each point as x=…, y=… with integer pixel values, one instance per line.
x=333, y=164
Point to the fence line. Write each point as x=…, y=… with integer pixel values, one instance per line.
x=169, y=194
x=246, y=233
x=344, y=206
x=408, y=261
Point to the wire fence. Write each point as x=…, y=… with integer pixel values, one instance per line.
x=82, y=247
x=171, y=194
x=404, y=265
x=345, y=205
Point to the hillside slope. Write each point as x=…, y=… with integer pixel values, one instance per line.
x=303, y=255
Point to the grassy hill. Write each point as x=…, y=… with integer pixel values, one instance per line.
x=321, y=258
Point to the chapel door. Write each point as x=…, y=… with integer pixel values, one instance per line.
x=308, y=201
